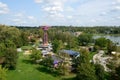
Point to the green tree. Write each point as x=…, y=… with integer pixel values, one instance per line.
x=3, y=73
x=101, y=42
x=111, y=47
x=85, y=68
x=99, y=71
x=115, y=75
x=48, y=62
x=36, y=55
x=64, y=68
x=2, y=49
x=72, y=42
x=11, y=57
x=24, y=38
x=118, y=71
x=57, y=45
x=84, y=39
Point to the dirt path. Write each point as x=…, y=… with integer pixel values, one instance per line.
x=99, y=58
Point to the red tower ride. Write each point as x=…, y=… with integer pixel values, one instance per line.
x=45, y=37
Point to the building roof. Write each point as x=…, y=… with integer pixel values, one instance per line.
x=70, y=52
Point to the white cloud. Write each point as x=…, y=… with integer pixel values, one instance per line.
x=56, y=16
x=118, y=1
x=31, y=17
x=69, y=9
x=69, y=17
x=19, y=21
x=53, y=7
x=19, y=15
x=23, y=19
x=93, y=20
x=117, y=7
x=118, y=17
x=103, y=13
x=3, y=8
x=38, y=1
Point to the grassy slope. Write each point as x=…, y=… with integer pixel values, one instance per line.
x=27, y=71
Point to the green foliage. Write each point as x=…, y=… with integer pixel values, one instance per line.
x=57, y=45
x=3, y=73
x=47, y=61
x=64, y=68
x=118, y=49
x=2, y=49
x=26, y=47
x=24, y=38
x=9, y=33
x=9, y=44
x=11, y=57
x=84, y=39
x=84, y=56
x=118, y=70
x=101, y=42
x=99, y=71
x=36, y=55
x=115, y=75
x=27, y=71
x=86, y=72
x=72, y=43
x=111, y=47
x=85, y=68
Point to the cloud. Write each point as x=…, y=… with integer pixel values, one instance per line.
x=19, y=15
x=52, y=7
x=69, y=17
x=19, y=21
x=103, y=13
x=38, y=1
x=93, y=20
x=118, y=1
x=31, y=17
x=69, y=9
x=3, y=8
x=117, y=8
x=118, y=17
x=23, y=19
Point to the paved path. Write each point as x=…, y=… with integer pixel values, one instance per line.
x=98, y=58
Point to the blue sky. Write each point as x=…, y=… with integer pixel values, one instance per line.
x=60, y=12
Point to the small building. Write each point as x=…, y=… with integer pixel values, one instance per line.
x=69, y=53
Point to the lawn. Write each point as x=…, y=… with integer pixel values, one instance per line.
x=27, y=71
x=26, y=47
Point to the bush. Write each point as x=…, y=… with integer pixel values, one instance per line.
x=11, y=57
x=36, y=55
x=2, y=73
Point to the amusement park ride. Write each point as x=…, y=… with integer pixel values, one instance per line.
x=45, y=37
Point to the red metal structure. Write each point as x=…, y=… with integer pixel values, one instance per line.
x=45, y=37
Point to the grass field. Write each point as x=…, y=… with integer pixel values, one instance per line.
x=27, y=71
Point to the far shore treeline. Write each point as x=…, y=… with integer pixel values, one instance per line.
x=86, y=29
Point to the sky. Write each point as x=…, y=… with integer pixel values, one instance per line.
x=60, y=12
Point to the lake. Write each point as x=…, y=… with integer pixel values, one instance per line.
x=115, y=39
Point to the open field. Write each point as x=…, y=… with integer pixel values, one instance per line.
x=27, y=71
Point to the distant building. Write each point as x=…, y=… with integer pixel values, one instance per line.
x=69, y=53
